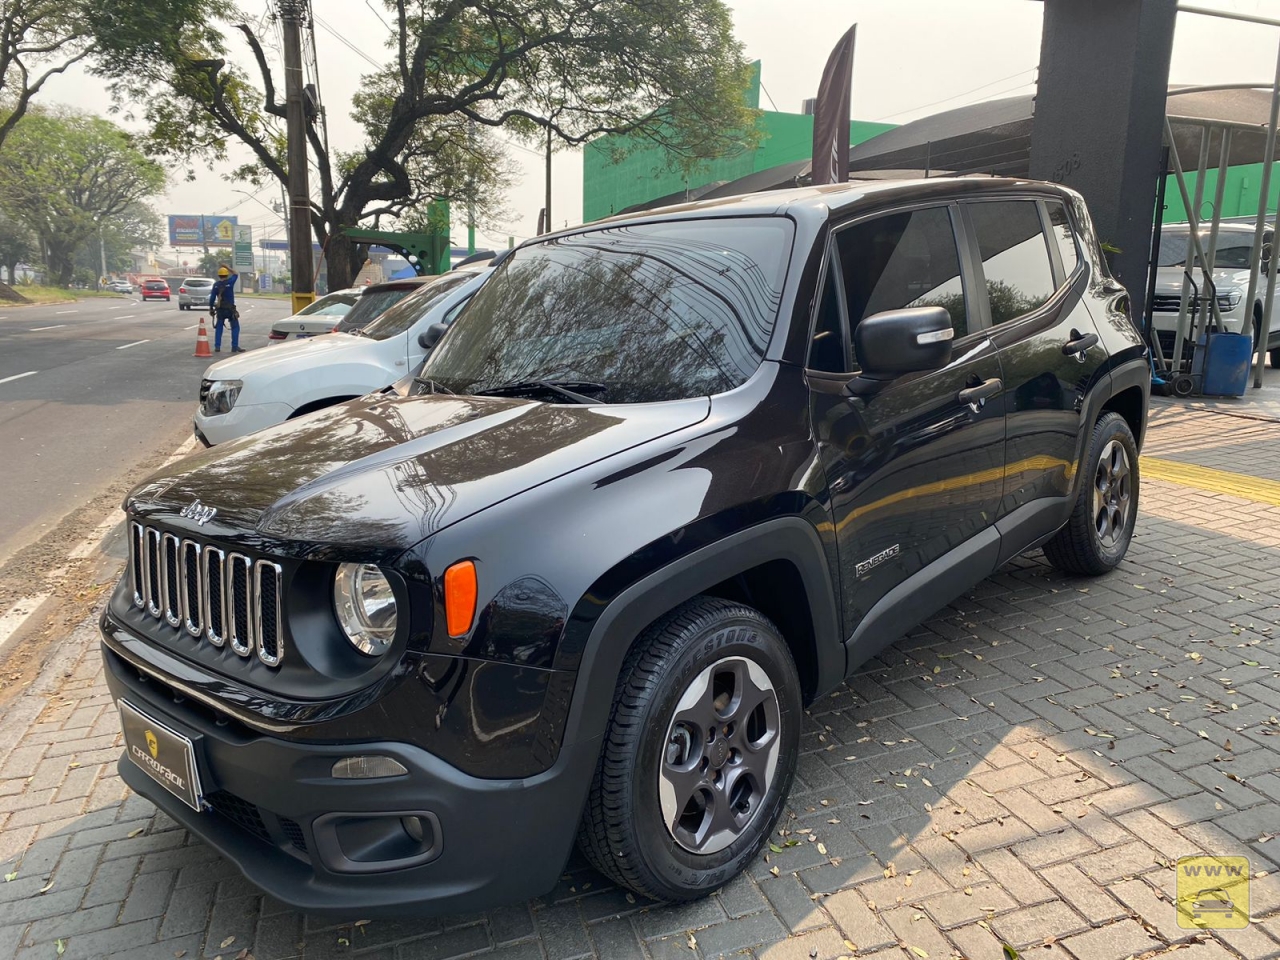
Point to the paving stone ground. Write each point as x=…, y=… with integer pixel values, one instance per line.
x=1025, y=768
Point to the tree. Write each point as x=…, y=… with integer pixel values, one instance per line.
x=137, y=226
x=61, y=172
x=211, y=261
x=17, y=245
x=668, y=72
x=38, y=39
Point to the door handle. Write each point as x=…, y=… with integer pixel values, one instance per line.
x=977, y=396
x=1079, y=344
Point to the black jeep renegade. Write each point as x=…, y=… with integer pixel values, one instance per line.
x=665, y=481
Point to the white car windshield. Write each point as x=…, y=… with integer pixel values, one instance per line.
x=412, y=308
x=330, y=305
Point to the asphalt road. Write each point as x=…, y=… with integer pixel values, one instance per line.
x=91, y=389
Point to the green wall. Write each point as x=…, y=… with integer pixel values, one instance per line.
x=644, y=174
x=1239, y=197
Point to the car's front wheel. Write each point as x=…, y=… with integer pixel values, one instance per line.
x=1097, y=536
x=699, y=754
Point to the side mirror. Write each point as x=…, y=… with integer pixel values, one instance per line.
x=429, y=337
x=903, y=341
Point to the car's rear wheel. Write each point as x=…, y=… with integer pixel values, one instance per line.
x=699, y=754
x=1097, y=536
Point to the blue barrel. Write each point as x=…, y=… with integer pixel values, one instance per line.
x=1226, y=364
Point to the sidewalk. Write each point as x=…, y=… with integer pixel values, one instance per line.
x=1024, y=769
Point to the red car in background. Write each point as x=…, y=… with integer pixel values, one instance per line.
x=154, y=288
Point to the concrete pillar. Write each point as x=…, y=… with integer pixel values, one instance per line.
x=1104, y=73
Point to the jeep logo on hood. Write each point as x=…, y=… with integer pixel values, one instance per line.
x=197, y=511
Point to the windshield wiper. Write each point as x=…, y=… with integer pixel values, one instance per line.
x=434, y=387
x=564, y=388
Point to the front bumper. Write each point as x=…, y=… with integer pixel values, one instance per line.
x=242, y=420
x=274, y=810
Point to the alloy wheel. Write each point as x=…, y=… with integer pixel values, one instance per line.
x=1112, y=494
x=720, y=755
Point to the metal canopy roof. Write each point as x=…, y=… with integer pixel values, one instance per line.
x=995, y=136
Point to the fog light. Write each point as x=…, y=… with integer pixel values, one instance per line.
x=413, y=827
x=368, y=768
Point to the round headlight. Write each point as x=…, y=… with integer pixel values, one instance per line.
x=366, y=607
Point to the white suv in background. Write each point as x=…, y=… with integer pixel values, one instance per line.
x=250, y=392
x=1231, y=269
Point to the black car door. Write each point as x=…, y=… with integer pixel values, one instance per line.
x=914, y=472
x=1034, y=280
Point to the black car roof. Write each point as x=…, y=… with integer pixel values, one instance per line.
x=821, y=203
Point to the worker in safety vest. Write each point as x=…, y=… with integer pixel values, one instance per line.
x=222, y=307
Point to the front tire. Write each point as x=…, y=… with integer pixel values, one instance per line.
x=699, y=754
x=1275, y=359
x=1097, y=536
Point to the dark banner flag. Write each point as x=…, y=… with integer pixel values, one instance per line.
x=831, y=114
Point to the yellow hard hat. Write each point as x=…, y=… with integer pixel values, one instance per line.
x=223, y=272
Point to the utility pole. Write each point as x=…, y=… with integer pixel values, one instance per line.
x=292, y=15
x=548, y=207
x=102, y=249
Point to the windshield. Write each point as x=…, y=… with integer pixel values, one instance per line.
x=371, y=304
x=1232, y=254
x=411, y=309
x=659, y=311
x=331, y=305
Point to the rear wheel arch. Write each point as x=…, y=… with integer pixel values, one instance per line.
x=1131, y=404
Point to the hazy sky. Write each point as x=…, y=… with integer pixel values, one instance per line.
x=914, y=57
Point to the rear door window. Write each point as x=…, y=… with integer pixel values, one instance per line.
x=1014, y=255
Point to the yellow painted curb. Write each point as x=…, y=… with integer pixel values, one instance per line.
x=1215, y=481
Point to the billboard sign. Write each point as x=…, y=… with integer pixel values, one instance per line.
x=244, y=248
x=197, y=231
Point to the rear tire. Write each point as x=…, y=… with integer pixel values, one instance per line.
x=1097, y=536
x=1275, y=358
x=680, y=802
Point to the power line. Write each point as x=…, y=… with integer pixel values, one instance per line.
x=346, y=43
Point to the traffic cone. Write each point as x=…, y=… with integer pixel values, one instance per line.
x=202, y=341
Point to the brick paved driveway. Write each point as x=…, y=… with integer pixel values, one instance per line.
x=1024, y=769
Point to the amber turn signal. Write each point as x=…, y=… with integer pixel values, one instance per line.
x=460, y=597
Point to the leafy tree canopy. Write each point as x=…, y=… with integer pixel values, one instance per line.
x=38, y=39
x=668, y=72
x=63, y=172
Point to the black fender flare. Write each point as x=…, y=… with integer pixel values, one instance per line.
x=791, y=539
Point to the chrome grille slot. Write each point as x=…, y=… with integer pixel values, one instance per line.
x=211, y=594
x=266, y=587
x=215, y=610
x=171, y=593
x=152, y=571
x=137, y=558
x=239, y=597
x=192, y=588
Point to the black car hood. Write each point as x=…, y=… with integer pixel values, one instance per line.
x=385, y=472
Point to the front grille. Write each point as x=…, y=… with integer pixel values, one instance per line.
x=226, y=598
x=1167, y=344
x=1165, y=303
x=293, y=830
x=241, y=812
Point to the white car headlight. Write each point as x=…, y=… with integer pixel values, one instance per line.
x=220, y=397
x=366, y=607
x=1229, y=301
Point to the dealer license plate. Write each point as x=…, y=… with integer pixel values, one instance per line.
x=165, y=755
